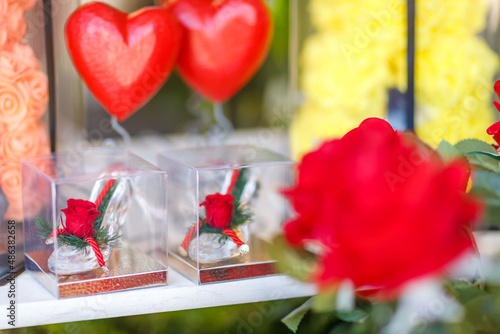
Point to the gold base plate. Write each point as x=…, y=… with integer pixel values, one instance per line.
x=256, y=263
x=128, y=267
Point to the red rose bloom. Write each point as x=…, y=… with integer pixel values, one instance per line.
x=80, y=216
x=384, y=207
x=494, y=130
x=219, y=210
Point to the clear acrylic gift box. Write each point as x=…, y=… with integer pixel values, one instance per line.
x=225, y=203
x=74, y=250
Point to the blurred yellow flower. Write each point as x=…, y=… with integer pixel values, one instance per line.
x=332, y=78
x=314, y=124
x=358, y=53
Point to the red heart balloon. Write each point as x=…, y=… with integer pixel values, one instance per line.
x=123, y=58
x=226, y=42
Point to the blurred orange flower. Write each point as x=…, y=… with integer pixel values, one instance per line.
x=12, y=23
x=30, y=138
x=18, y=60
x=34, y=85
x=13, y=108
x=23, y=100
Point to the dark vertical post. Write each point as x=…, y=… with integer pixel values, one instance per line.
x=410, y=56
x=49, y=49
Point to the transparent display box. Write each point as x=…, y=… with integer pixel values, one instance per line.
x=225, y=202
x=124, y=201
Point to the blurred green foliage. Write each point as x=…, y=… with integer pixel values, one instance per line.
x=245, y=319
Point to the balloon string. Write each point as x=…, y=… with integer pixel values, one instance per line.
x=221, y=119
x=122, y=132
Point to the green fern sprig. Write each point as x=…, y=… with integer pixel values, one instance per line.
x=241, y=215
x=102, y=237
x=71, y=240
x=43, y=227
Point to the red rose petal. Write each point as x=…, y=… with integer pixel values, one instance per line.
x=493, y=129
x=80, y=217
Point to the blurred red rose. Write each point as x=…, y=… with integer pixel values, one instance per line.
x=383, y=207
x=219, y=210
x=80, y=216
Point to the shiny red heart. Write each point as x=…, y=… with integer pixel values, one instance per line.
x=225, y=43
x=123, y=58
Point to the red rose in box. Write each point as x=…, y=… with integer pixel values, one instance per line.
x=226, y=220
x=81, y=229
x=80, y=216
x=219, y=210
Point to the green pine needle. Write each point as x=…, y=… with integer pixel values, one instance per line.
x=241, y=215
x=44, y=228
x=205, y=228
x=102, y=237
x=71, y=240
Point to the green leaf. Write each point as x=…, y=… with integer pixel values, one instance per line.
x=354, y=328
x=293, y=319
x=342, y=328
x=471, y=145
x=488, y=154
x=483, y=313
x=486, y=184
x=353, y=316
x=325, y=301
x=441, y=328
x=448, y=151
x=474, y=145
x=381, y=313
x=490, y=217
x=297, y=263
x=464, y=291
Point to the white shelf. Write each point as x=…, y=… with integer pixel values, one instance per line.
x=36, y=306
